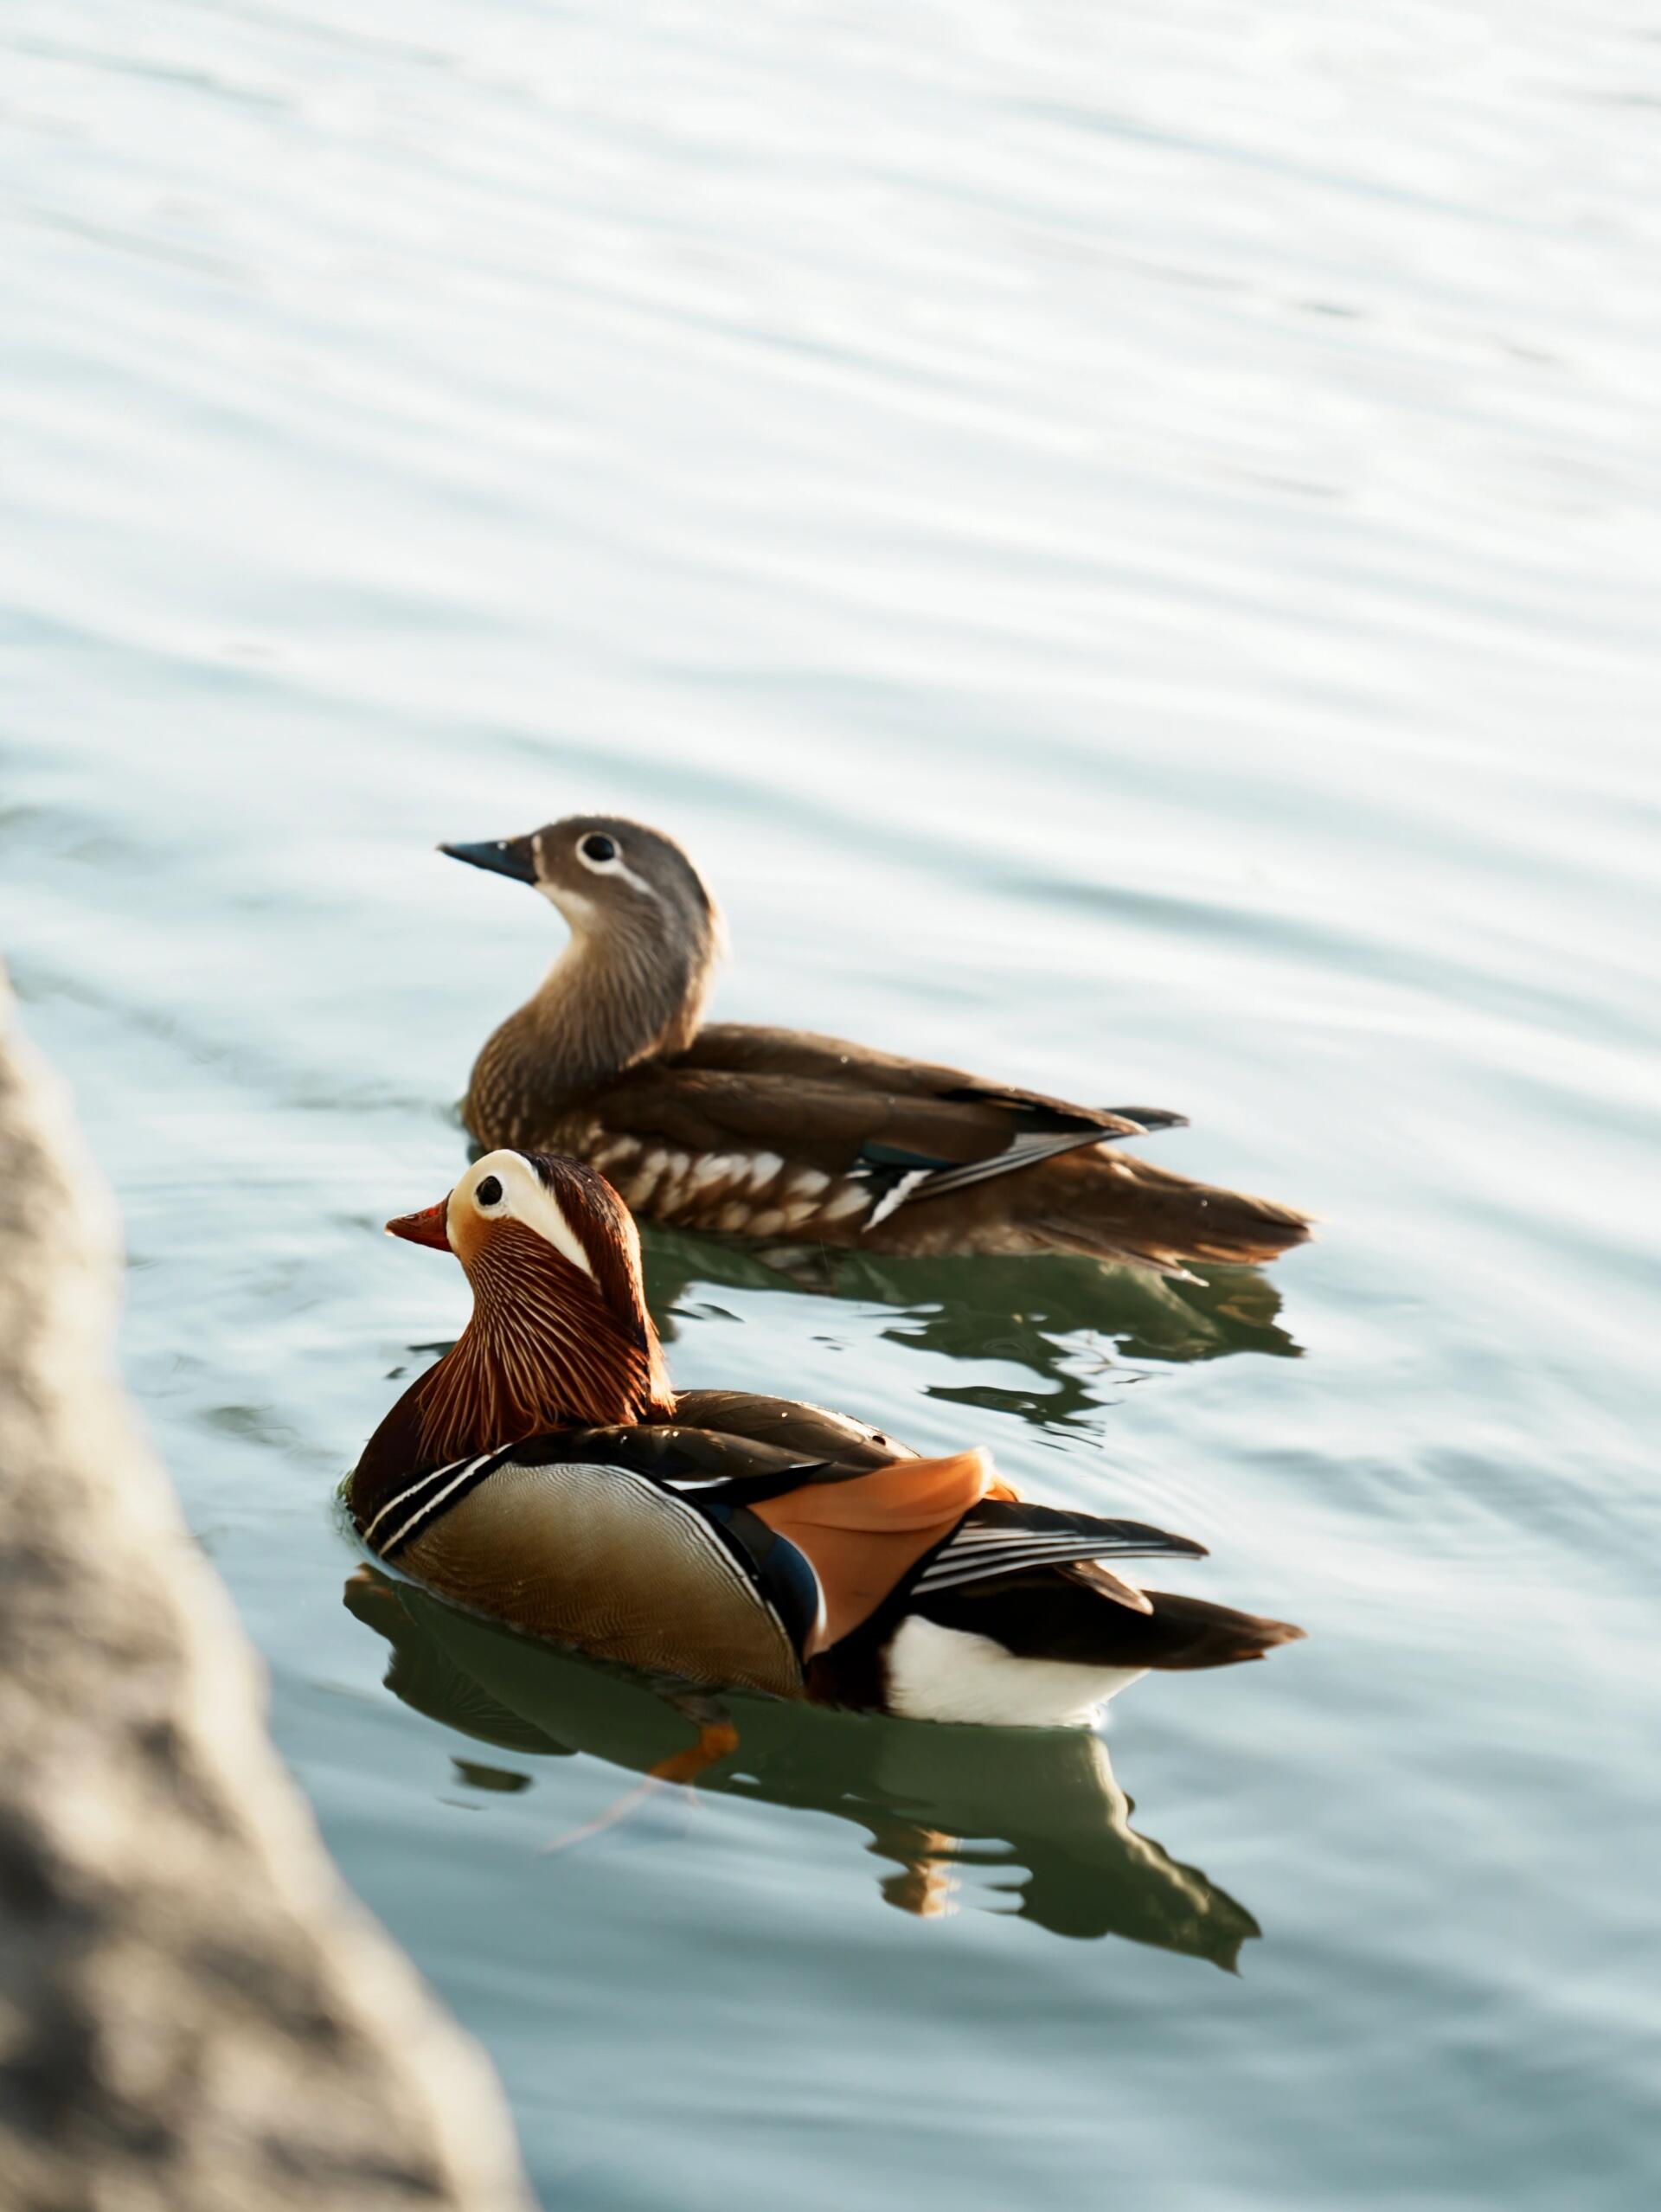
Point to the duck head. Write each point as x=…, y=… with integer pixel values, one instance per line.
x=646, y=934
x=559, y=1335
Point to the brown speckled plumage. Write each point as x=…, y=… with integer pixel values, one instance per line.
x=785, y=1136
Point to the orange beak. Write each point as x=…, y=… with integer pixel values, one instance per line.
x=426, y=1228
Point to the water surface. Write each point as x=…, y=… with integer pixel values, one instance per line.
x=1125, y=543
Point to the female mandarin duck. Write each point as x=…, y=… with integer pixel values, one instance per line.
x=783, y=1135
x=544, y=1471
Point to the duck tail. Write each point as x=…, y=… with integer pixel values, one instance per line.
x=1118, y=1206
x=1185, y=1634
x=1082, y=1613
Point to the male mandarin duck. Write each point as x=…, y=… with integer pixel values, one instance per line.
x=782, y=1135
x=545, y=1472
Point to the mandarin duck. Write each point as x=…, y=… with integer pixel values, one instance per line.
x=791, y=1137
x=544, y=1471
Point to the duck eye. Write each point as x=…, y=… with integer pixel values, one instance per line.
x=599, y=848
x=488, y=1191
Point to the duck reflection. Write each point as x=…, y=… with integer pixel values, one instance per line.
x=1062, y=1318
x=1041, y=1804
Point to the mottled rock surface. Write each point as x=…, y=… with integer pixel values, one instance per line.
x=194, y=2016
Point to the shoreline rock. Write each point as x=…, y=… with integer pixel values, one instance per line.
x=194, y=2015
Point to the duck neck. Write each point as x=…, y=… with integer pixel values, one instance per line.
x=609, y=1001
x=543, y=1350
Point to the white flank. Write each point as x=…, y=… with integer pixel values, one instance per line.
x=947, y=1674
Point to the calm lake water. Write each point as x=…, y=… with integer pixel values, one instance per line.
x=1125, y=541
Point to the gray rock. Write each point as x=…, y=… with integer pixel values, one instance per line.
x=194, y=2015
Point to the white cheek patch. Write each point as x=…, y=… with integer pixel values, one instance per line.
x=528, y=1200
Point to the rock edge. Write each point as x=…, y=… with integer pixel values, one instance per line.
x=195, y=2015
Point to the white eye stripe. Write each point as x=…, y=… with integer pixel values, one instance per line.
x=639, y=881
x=545, y=1213
x=614, y=865
x=525, y=1198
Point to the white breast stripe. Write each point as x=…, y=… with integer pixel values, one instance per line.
x=469, y=1467
x=433, y=1475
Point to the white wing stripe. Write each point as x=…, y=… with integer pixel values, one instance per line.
x=1024, y=1539
x=902, y=1190
x=981, y=1565
x=1024, y=1151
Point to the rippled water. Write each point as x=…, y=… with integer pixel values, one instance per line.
x=1125, y=541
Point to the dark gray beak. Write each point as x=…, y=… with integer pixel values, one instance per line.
x=514, y=856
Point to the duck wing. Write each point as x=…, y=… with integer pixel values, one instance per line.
x=751, y=1047
x=1001, y=1537
x=869, y=1521
x=916, y=1529
x=811, y=1433
x=908, y=1129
